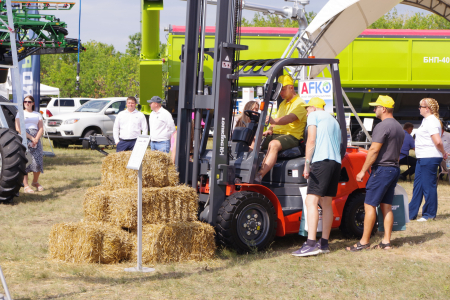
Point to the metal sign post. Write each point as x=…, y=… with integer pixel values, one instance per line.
x=135, y=163
x=5, y=286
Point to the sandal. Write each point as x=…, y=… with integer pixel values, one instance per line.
x=358, y=247
x=383, y=246
x=28, y=190
x=39, y=187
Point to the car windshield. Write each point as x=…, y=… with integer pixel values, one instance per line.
x=93, y=106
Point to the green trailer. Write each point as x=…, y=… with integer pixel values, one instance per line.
x=408, y=65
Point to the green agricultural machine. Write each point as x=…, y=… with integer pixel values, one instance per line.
x=23, y=32
x=408, y=65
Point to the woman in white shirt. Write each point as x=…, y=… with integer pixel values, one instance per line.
x=429, y=153
x=34, y=128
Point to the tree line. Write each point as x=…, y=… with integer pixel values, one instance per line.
x=106, y=72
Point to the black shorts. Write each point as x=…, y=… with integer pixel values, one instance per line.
x=324, y=178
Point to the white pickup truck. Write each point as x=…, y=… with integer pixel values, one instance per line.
x=95, y=116
x=61, y=106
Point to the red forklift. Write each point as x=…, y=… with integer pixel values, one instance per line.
x=248, y=215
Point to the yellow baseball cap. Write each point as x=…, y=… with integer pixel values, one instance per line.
x=384, y=101
x=316, y=102
x=286, y=80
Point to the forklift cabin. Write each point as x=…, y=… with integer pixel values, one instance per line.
x=248, y=215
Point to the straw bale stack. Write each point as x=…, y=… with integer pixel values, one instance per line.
x=175, y=242
x=159, y=205
x=171, y=231
x=157, y=171
x=89, y=242
x=95, y=204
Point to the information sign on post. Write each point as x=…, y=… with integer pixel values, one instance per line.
x=135, y=163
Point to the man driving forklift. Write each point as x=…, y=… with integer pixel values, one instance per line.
x=286, y=130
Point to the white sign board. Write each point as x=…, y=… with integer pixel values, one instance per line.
x=322, y=88
x=368, y=123
x=137, y=155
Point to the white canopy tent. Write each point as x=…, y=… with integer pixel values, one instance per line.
x=439, y=7
x=340, y=22
x=46, y=90
x=49, y=90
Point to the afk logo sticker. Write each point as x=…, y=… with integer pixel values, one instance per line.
x=226, y=65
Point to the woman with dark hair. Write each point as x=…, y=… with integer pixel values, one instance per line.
x=429, y=153
x=244, y=120
x=34, y=128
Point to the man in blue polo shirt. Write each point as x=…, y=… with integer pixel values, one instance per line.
x=323, y=151
x=405, y=159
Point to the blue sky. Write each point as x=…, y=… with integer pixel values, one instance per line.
x=112, y=21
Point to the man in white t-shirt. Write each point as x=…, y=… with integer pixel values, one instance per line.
x=128, y=126
x=161, y=126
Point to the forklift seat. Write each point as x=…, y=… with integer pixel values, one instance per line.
x=295, y=151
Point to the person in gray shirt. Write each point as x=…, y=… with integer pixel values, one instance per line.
x=383, y=156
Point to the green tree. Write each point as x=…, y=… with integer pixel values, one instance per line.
x=134, y=44
x=393, y=20
x=104, y=72
x=260, y=20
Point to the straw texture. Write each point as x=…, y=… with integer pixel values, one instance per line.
x=157, y=171
x=89, y=242
x=95, y=204
x=175, y=242
x=159, y=205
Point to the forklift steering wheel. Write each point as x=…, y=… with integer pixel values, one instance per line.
x=253, y=115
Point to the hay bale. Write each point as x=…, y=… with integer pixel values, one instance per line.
x=157, y=171
x=89, y=242
x=159, y=206
x=95, y=204
x=175, y=242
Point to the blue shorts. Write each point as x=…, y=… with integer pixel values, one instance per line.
x=381, y=185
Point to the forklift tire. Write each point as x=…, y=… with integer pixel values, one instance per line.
x=246, y=221
x=352, y=225
x=13, y=162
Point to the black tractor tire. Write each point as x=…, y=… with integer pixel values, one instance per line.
x=13, y=163
x=246, y=221
x=352, y=224
x=86, y=135
x=10, y=113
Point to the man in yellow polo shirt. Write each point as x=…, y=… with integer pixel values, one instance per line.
x=286, y=129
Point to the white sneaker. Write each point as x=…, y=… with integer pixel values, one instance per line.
x=422, y=220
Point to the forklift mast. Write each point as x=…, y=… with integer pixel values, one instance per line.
x=219, y=105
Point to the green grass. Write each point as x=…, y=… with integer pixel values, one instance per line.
x=419, y=266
